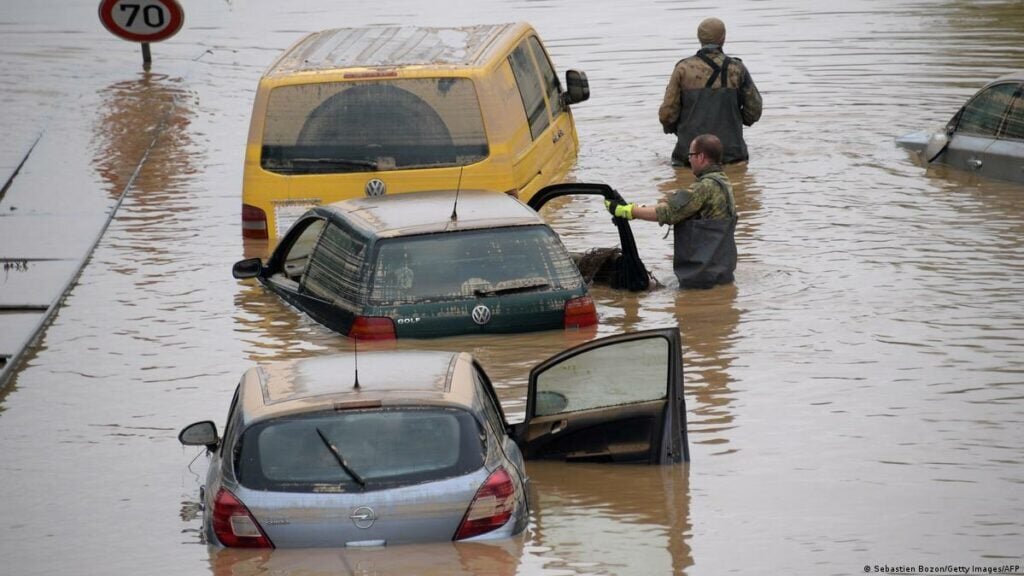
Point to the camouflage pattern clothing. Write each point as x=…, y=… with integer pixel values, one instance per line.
x=700, y=99
x=709, y=198
x=703, y=236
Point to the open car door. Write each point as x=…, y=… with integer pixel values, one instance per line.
x=630, y=272
x=616, y=399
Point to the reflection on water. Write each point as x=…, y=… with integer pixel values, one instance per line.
x=585, y=515
x=456, y=559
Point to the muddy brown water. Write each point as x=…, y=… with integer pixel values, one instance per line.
x=854, y=400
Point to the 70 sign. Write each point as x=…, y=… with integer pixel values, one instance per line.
x=142, y=20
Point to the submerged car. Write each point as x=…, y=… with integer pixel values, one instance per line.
x=427, y=264
x=353, y=112
x=401, y=447
x=986, y=136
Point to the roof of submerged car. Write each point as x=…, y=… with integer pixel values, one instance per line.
x=1016, y=75
x=393, y=46
x=430, y=212
x=385, y=378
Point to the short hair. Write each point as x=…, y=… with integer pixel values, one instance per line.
x=710, y=146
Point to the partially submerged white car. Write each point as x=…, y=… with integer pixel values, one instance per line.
x=986, y=136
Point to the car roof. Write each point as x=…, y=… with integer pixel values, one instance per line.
x=431, y=212
x=385, y=378
x=1016, y=75
x=394, y=46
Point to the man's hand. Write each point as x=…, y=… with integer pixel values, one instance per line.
x=619, y=210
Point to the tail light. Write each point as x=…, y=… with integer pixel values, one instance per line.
x=513, y=192
x=372, y=328
x=580, y=312
x=491, y=508
x=254, y=222
x=234, y=525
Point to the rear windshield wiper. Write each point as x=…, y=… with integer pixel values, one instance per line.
x=343, y=162
x=511, y=286
x=341, y=460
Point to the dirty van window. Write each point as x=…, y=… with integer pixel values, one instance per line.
x=530, y=89
x=336, y=127
x=461, y=265
x=547, y=71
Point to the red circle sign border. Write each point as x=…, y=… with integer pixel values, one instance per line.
x=177, y=15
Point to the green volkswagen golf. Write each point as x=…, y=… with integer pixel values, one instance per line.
x=427, y=264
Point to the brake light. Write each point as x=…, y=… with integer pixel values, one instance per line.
x=580, y=312
x=491, y=508
x=254, y=222
x=372, y=328
x=234, y=525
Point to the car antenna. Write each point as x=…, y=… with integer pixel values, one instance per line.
x=355, y=352
x=455, y=207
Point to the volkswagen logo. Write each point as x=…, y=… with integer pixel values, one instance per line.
x=375, y=187
x=363, y=517
x=481, y=314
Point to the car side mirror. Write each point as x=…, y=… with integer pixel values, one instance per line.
x=577, y=87
x=248, y=268
x=200, y=434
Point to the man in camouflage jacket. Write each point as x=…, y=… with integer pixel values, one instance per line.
x=704, y=219
x=710, y=93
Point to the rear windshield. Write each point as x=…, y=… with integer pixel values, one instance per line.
x=397, y=124
x=347, y=450
x=458, y=265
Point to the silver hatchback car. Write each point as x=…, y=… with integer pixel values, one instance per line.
x=403, y=447
x=986, y=136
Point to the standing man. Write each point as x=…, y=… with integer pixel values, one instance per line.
x=704, y=217
x=710, y=93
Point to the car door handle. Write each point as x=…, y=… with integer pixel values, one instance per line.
x=557, y=427
x=974, y=163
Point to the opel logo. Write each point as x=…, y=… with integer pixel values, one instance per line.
x=375, y=187
x=481, y=314
x=363, y=517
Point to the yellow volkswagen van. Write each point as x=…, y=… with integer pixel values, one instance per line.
x=356, y=112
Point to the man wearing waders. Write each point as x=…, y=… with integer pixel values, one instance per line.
x=704, y=218
x=710, y=93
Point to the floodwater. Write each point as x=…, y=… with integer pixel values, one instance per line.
x=855, y=400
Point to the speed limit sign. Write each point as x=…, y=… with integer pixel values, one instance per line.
x=142, y=20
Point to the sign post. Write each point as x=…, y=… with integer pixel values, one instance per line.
x=142, y=21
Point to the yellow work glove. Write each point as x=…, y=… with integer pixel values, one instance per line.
x=619, y=210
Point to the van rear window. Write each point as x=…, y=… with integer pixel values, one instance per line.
x=352, y=449
x=363, y=126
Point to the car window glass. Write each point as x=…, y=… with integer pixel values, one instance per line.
x=230, y=424
x=492, y=410
x=296, y=258
x=530, y=89
x=460, y=265
x=623, y=373
x=1014, y=127
x=336, y=266
x=382, y=447
x=983, y=115
x=359, y=126
x=547, y=72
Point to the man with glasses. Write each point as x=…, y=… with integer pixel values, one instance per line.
x=704, y=218
x=710, y=92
